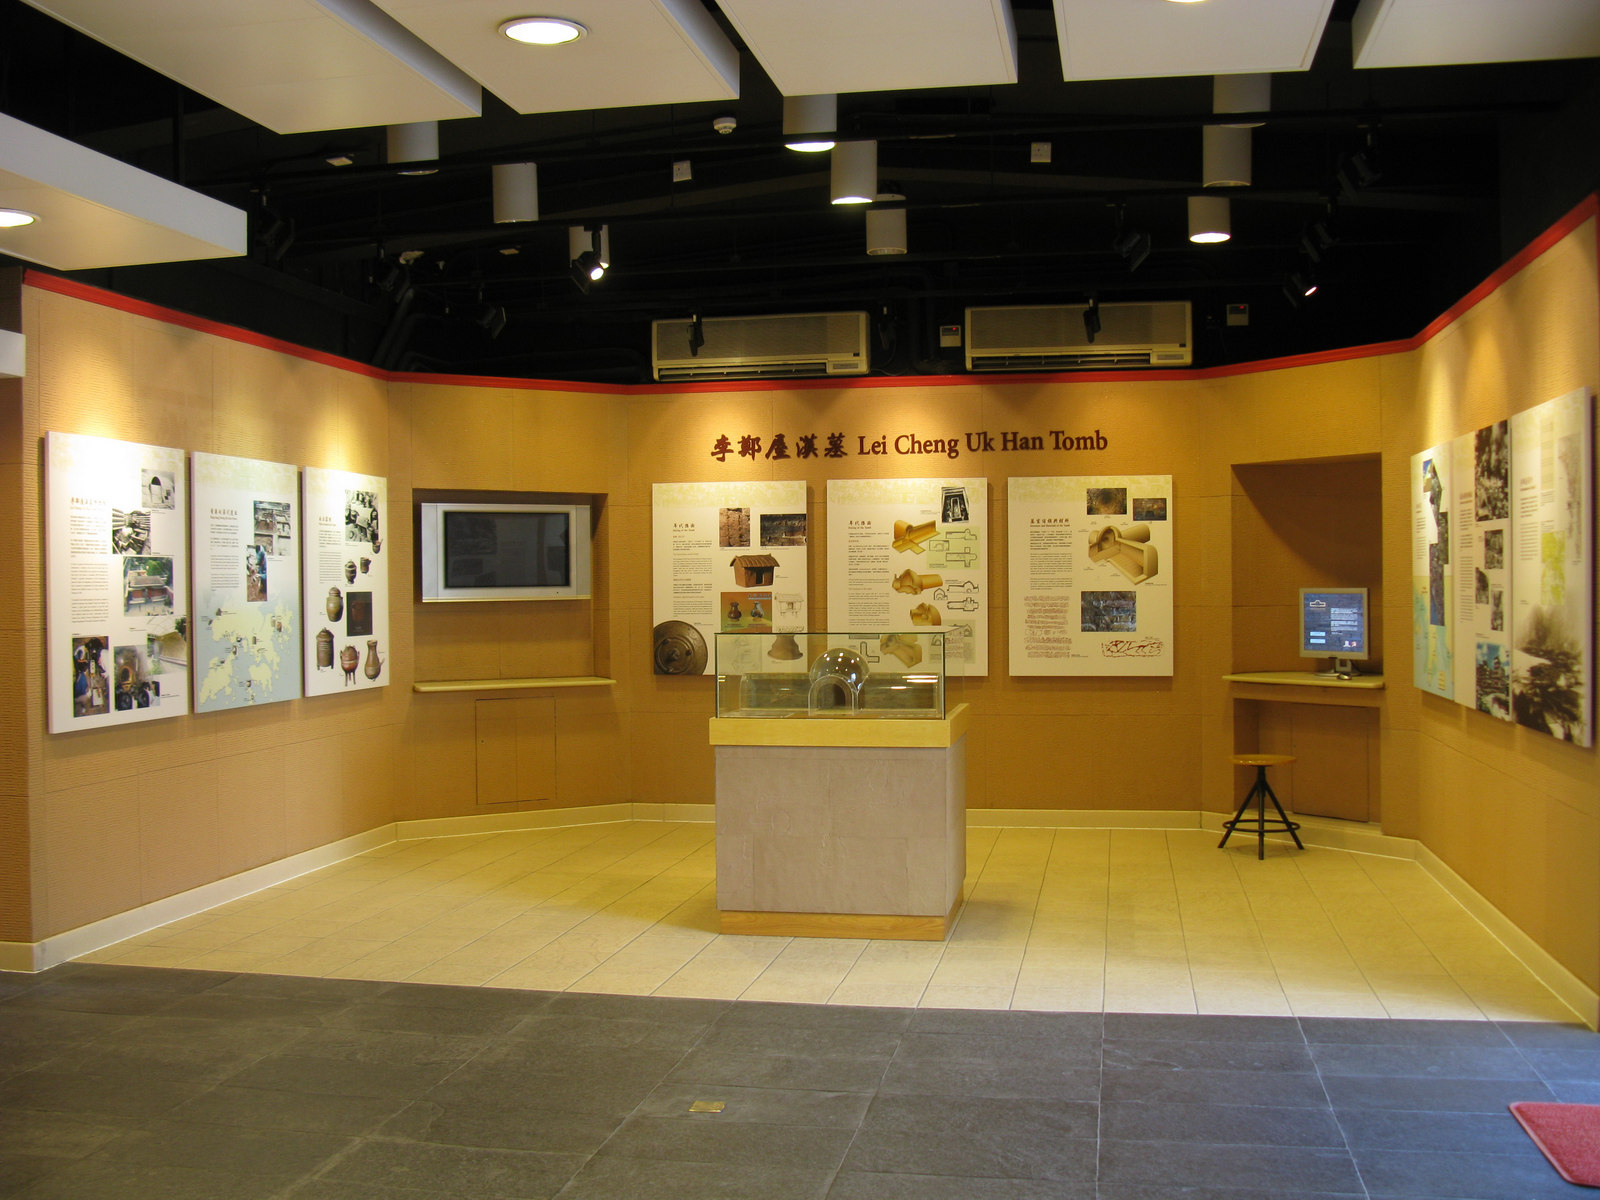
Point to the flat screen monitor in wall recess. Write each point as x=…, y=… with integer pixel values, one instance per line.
x=504, y=551
x=1333, y=625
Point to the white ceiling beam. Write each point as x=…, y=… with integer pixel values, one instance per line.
x=97, y=211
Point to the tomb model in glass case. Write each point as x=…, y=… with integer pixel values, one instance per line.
x=834, y=675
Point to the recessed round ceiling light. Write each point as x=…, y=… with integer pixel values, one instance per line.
x=542, y=31
x=13, y=218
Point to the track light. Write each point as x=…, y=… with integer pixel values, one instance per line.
x=491, y=318
x=1303, y=283
x=1357, y=172
x=1210, y=219
x=276, y=236
x=589, y=252
x=1133, y=246
x=809, y=122
x=516, y=192
x=854, y=174
x=413, y=143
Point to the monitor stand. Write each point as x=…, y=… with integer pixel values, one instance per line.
x=1340, y=668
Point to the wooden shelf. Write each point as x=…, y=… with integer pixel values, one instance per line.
x=1305, y=679
x=511, y=685
x=1302, y=687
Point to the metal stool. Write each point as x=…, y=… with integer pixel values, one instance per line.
x=1260, y=792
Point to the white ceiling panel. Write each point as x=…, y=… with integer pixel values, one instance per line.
x=1143, y=39
x=291, y=65
x=636, y=52
x=824, y=46
x=1428, y=33
x=96, y=211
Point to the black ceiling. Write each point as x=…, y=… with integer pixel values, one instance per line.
x=1466, y=164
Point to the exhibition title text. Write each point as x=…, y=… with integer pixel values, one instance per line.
x=838, y=445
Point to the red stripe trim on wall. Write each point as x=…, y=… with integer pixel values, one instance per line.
x=1588, y=208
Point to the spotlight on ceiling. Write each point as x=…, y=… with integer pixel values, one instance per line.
x=809, y=122
x=1133, y=246
x=516, y=192
x=1210, y=219
x=854, y=176
x=1356, y=172
x=416, y=142
x=277, y=235
x=589, y=250
x=1304, y=283
x=15, y=218
x=491, y=318
x=542, y=31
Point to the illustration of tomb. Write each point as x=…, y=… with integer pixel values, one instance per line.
x=1128, y=550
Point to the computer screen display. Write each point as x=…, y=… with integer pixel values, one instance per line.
x=1333, y=623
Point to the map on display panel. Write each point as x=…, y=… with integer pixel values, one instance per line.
x=246, y=582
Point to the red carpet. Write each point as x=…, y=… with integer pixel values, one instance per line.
x=1569, y=1135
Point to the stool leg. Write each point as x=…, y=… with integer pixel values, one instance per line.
x=1229, y=826
x=1282, y=816
x=1261, y=789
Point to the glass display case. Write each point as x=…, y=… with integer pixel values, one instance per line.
x=849, y=676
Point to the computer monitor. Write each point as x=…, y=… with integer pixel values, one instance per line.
x=1333, y=624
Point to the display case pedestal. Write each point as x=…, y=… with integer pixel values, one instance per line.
x=841, y=828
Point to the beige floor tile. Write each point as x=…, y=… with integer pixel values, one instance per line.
x=1131, y=920
x=1083, y=991
x=945, y=995
x=878, y=995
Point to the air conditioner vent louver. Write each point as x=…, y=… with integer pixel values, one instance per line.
x=764, y=347
x=1052, y=337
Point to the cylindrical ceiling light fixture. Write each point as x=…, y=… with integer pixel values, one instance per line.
x=1210, y=219
x=416, y=142
x=1225, y=156
x=1241, y=94
x=809, y=122
x=886, y=227
x=855, y=172
x=516, y=192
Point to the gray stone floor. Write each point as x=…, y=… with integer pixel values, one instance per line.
x=130, y=1082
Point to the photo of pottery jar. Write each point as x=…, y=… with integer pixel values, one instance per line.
x=335, y=604
x=366, y=565
x=350, y=571
x=374, y=665
x=349, y=660
x=325, y=650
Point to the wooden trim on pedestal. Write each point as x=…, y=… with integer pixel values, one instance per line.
x=895, y=927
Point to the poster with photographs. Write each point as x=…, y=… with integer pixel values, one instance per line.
x=1552, y=566
x=1481, y=605
x=1432, y=591
x=1090, y=575
x=912, y=554
x=116, y=582
x=725, y=558
x=246, y=581
x=345, y=563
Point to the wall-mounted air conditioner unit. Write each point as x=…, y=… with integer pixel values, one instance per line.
x=767, y=347
x=1053, y=337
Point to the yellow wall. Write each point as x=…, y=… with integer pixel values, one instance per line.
x=114, y=819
